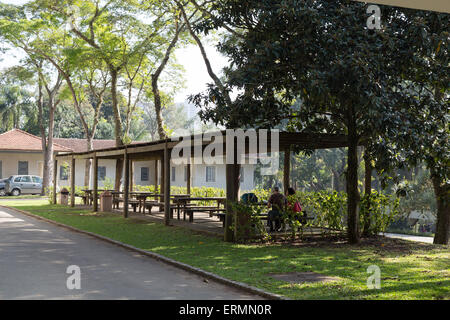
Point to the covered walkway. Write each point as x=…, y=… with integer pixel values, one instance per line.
x=232, y=144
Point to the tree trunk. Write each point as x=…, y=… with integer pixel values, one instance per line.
x=232, y=193
x=442, y=192
x=367, y=191
x=47, y=148
x=158, y=108
x=117, y=126
x=352, y=185
x=88, y=164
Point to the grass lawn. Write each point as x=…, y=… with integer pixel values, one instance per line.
x=25, y=196
x=408, y=270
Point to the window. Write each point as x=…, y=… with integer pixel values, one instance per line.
x=63, y=173
x=17, y=179
x=144, y=174
x=1, y=174
x=37, y=179
x=23, y=168
x=242, y=175
x=210, y=174
x=25, y=179
x=173, y=175
x=101, y=173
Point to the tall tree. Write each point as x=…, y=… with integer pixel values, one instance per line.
x=17, y=30
x=318, y=53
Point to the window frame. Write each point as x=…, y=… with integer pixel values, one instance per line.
x=19, y=168
x=145, y=176
x=63, y=173
x=173, y=174
x=211, y=177
x=101, y=176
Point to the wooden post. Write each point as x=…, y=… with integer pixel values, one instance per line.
x=286, y=169
x=162, y=180
x=126, y=186
x=188, y=178
x=156, y=175
x=131, y=175
x=72, y=183
x=166, y=185
x=55, y=179
x=95, y=187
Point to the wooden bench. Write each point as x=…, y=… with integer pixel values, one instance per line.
x=151, y=204
x=132, y=202
x=221, y=216
x=190, y=211
x=83, y=197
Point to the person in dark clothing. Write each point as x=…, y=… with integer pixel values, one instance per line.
x=277, y=203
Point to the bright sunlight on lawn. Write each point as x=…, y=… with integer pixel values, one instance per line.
x=408, y=270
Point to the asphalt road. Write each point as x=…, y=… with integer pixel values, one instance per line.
x=35, y=255
x=410, y=237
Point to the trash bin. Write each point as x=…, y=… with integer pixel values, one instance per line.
x=106, y=202
x=64, y=197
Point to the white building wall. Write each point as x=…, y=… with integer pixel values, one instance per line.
x=198, y=174
x=110, y=166
x=10, y=163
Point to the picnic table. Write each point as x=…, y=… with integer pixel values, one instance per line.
x=88, y=195
x=184, y=204
x=140, y=199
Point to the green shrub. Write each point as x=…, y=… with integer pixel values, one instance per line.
x=383, y=210
x=247, y=223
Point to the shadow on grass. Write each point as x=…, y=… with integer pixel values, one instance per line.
x=252, y=263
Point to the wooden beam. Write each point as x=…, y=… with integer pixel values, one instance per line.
x=126, y=184
x=95, y=184
x=55, y=178
x=166, y=186
x=72, y=183
x=286, y=169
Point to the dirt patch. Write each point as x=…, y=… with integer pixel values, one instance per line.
x=303, y=277
x=380, y=244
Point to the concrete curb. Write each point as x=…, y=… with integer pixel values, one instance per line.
x=177, y=264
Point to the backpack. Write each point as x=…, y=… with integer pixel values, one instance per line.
x=297, y=207
x=249, y=198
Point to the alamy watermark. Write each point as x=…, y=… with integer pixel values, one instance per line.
x=374, y=280
x=74, y=280
x=374, y=21
x=232, y=147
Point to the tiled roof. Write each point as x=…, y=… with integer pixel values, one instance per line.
x=80, y=145
x=18, y=140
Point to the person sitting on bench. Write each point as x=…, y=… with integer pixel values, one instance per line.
x=277, y=202
x=295, y=207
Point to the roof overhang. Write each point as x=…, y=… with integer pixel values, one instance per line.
x=433, y=5
x=155, y=149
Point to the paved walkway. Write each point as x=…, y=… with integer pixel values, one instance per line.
x=34, y=256
x=409, y=237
